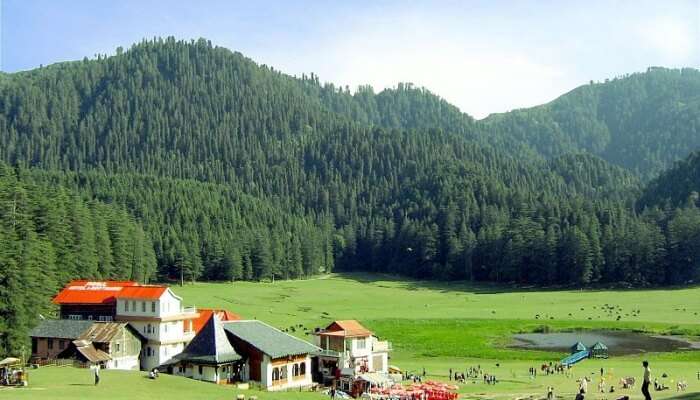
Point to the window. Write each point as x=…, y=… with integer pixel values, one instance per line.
x=200, y=370
x=166, y=327
x=302, y=369
x=153, y=306
x=143, y=306
x=61, y=344
x=295, y=370
x=126, y=305
x=49, y=344
x=275, y=374
x=34, y=345
x=133, y=305
x=105, y=318
x=361, y=344
x=149, y=352
x=116, y=363
x=117, y=347
x=74, y=316
x=150, y=329
x=181, y=369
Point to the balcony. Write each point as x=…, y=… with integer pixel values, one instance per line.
x=188, y=335
x=382, y=346
x=328, y=353
x=189, y=310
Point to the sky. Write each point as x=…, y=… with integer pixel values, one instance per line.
x=483, y=56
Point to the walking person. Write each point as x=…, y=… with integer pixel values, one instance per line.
x=647, y=380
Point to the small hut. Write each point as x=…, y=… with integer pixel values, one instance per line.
x=578, y=347
x=599, y=350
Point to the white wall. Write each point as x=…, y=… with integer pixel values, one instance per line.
x=159, y=354
x=291, y=382
x=125, y=363
x=167, y=304
x=208, y=373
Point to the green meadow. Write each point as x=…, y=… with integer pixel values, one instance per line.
x=432, y=326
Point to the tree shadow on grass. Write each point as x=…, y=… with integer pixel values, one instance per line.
x=686, y=396
x=486, y=287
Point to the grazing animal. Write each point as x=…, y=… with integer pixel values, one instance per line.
x=627, y=383
x=681, y=386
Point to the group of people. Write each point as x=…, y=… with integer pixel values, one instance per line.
x=583, y=385
x=472, y=373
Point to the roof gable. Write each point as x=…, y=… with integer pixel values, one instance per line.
x=206, y=313
x=348, y=328
x=210, y=346
x=142, y=292
x=102, y=332
x=268, y=339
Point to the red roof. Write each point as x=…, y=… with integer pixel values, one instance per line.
x=142, y=292
x=85, y=282
x=105, y=292
x=68, y=296
x=347, y=328
x=206, y=313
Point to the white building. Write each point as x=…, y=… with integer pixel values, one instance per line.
x=158, y=315
x=274, y=359
x=350, y=349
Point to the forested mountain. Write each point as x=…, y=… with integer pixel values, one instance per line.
x=679, y=186
x=238, y=171
x=643, y=122
x=49, y=235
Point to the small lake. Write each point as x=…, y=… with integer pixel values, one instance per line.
x=618, y=342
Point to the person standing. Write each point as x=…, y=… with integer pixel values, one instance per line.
x=96, y=369
x=647, y=380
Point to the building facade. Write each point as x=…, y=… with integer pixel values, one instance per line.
x=274, y=359
x=52, y=336
x=350, y=349
x=153, y=311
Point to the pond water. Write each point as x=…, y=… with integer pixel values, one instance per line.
x=618, y=342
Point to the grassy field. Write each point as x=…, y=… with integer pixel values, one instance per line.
x=436, y=326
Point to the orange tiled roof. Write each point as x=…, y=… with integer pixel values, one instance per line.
x=206, y=313
x=141, y=292
x=346, y=328
x=105, y=292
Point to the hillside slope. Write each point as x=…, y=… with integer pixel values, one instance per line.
x=643, y=122
x=398, y=181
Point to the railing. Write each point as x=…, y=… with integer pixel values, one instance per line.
x=328, y=353
x=189, y=310
x=381, y=346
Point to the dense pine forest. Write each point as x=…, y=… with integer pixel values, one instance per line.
x=49, y=235
x=233, y=170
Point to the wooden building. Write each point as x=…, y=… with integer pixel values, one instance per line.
x=112, y=345
x=276, y=360
x=52, y=336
